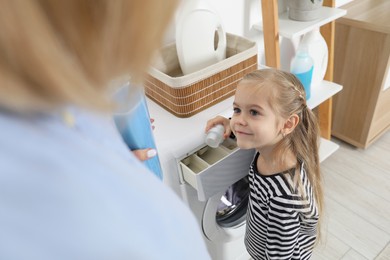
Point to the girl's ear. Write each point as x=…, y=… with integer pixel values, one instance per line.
x=290, y=124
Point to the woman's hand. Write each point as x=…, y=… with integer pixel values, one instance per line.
x=219, y=120
x=145, y=154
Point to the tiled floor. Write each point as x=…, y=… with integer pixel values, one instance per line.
x=357, y=196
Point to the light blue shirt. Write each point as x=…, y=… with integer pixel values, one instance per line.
x=78, y=193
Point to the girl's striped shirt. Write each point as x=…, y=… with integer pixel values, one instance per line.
x=281, y=224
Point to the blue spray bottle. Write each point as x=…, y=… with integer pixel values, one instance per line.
x=302, y=67
x=133, y=122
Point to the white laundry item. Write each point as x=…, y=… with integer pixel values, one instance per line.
x=200, y=36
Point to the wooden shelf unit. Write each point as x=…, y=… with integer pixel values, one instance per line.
x=270, y=28
x=361, y=113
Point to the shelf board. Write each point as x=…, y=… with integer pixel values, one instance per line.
x=291, y=29
x=327, y=148
x=322, y=92
x=319, y=93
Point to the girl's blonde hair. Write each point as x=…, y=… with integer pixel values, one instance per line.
x=288, y=98
x=59, y=52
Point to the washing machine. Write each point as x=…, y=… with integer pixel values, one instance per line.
x=211, y=181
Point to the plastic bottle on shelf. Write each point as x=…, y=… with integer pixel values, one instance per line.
x=214, y=136
x=288, y=49
x=318, y=50
x=302, y=67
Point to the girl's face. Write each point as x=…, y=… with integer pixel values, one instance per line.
x=254, y=123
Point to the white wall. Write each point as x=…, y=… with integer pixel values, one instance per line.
x=238, y=16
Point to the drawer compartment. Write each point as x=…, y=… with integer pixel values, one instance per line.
x=229, y=145
x=212, y=155
x=213, y=170
x=191, y=166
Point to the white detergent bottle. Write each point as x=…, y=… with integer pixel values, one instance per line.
x=302, y=68
x=214, y=136
x=318, y=50
x=288, y=49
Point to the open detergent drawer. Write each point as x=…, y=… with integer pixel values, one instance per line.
x=212, y=170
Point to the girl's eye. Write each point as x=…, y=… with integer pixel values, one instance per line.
x=254, y=112
x=236, y=110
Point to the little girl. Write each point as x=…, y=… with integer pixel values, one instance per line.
x=271, y=115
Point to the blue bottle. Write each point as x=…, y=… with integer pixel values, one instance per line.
x=302, y=67
x=133, y=123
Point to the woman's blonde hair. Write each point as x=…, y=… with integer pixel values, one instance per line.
x=60, y=52
x=288, y=98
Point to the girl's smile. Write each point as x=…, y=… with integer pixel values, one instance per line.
x=238, y=132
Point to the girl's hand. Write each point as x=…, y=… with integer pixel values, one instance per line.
x=219, y=120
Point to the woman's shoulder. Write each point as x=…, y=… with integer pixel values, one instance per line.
x=105, y=202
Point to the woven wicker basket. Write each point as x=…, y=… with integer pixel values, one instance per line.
x=186, y=95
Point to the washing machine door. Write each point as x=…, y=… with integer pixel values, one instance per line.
x=224, y=216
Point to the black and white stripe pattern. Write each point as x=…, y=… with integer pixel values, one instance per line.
x=281, y=224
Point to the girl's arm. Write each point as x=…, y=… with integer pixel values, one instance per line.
x=292, y=221
x=219, y=120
